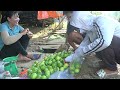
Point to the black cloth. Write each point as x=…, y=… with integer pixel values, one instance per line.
x=14, y=49
x=71, y=28
x=111, y=55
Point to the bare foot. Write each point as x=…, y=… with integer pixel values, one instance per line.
x=23, y=58
x=34, y=56
x=109, y=72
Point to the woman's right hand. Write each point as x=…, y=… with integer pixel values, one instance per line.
x=25, y=31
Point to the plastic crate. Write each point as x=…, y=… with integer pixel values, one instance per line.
x=11, y=65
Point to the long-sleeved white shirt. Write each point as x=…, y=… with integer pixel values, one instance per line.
x=100, y=31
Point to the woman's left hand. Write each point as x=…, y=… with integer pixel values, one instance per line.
x=30, y=34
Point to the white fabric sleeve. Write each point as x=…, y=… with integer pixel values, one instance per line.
x=77, y=55
x=105, y=35
x=9, y=39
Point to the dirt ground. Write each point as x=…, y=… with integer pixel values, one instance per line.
x=89, y=67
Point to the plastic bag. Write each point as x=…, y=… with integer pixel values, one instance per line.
x=2, y=66
x=75, y=64
x=62, y=75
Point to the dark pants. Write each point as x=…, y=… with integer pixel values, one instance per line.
x=14, y=49
x=111, y=55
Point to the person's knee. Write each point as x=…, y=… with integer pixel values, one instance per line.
x=73, y=34
x=76, y=37
x=25, y=37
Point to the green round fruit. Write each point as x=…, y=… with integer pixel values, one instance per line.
x=72, y=67
x=66, y=65
x=51, y=71
x=77, y=71
x=33, y=76
x=45, y=58
x=49, y=67
x=62, y=69
x=57, y=68
x=77, y=66
x=46, y=69
x=50, y=62
x=47, y=74
x=59, y=64
x=34, y=69
x=43, y=77
x=58, y=58
x=43, y=63
x=34, y=65
x=29, y=71
x=65, y=55
x=72, y=72
x=39, y=71
x=46, y=62
x=54, y=64
x=38, y=76
x=36, y=62
x=43, y=67
x=53, y=60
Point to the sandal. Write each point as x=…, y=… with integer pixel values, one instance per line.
x=36, y=56
x=102, y=73
x=23, y=58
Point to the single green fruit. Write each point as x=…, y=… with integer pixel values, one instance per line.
x=46, y=62
x=54, y=64
x=29, y=71
x=58, y=58
x=72, y=72
x=77, y=65
x=53, y=60
x=77, y=71
x=51, y=71
x=59, y=64
x=39, y=71
x=66, y=65
x=43, y=67
x=50, y=62
x=49, y=67
x=72, y=67
x=38, y=76
x=33, y=76
x=34, y=69
x=43, y=77
x=62, y=69
x=46, y=69
x=36, y=62
x=47, y=74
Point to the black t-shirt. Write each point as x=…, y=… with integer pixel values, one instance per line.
x=71, y=28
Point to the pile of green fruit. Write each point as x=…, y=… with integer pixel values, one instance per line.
x=49, y=65
x=74, y=67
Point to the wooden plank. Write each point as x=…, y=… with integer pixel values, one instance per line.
x=60, y=32
x=52, y=42
x=50, y=46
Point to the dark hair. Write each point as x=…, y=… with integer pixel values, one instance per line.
x=66, y=12
x=6, y=14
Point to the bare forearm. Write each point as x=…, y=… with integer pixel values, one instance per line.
x=10, y=39
x=72, y=44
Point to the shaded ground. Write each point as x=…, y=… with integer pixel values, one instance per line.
x=88, y=69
